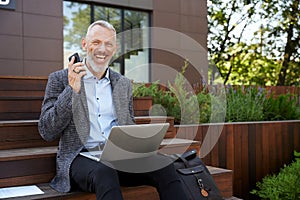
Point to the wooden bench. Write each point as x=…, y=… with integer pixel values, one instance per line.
x=21, y=98
x=26, y=159
x=34, y=163
x=129, y=193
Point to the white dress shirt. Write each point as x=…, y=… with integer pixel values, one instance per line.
x=100, y=106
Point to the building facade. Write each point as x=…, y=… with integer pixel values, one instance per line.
x=37, y=36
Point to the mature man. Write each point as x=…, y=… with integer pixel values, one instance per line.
x=81, y=105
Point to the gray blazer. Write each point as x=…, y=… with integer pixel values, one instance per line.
x=64, y=116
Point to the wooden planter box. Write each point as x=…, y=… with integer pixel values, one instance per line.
x=251, y=149
x=142, y=105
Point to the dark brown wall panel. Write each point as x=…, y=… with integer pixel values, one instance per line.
x=31, y=38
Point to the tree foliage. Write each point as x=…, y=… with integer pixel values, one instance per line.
x=255, y=41
x=76, y=24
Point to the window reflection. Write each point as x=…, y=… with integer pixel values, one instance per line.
x=113, y=16
x=132, y=57
x=135, y=45
x=76, y=21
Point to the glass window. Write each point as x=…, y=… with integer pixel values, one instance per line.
x=113, y=16
x=135, y=41
x=132, y=58
x=76, y=21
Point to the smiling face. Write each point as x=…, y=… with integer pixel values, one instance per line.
x=100, y=44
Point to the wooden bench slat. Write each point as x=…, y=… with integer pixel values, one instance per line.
x=21, y=134
x=27, y=153
x=21, y=105
x=129, y=193
x=24, y=133
x=138, y=192
x=23, y=83
x=32, y=161
x=26, y=180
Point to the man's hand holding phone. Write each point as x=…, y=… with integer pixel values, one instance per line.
x=76, y=71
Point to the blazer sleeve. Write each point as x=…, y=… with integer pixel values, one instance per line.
x=131, y=110
x=56, y=112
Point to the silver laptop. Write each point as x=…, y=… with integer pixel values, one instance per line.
x=130, y=142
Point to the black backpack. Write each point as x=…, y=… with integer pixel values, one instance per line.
x=197, y=180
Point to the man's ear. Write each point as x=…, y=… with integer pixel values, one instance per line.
x=117, y=46
x=83, y=44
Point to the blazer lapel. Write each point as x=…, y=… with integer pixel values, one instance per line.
x=114, y=78
x=80, y=114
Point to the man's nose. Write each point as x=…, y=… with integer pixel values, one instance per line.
x=102, y=47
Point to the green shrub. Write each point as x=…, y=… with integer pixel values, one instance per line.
x=283, y=107
x=240, y=103
x=143, y=90
x=245, y=104
x=185, y=104
x=282, y=186
x=204, y=102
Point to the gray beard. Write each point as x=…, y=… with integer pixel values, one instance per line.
x=94, y=66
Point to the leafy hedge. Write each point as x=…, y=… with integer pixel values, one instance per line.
x=282, y=186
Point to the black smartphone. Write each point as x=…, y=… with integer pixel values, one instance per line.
x=77, y=58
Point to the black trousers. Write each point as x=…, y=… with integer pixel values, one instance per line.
x=105, y=181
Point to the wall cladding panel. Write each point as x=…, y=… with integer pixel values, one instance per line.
x=170, y=6
x=43, y=7
x=193, y=24
x=32, y=33
x=11, y=47
x=43, y=49
x=7, y=18
x=40, y=68
x=189, y=18
x=194, y=7
x=43, y=26
x=12, y=67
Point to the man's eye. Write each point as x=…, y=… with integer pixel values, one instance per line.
x=109, y=44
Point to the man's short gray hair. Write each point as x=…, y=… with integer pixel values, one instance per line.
x=102, y=23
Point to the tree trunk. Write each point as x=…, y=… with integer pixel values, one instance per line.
x=289, y=47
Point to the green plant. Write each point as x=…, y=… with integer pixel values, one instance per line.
x=186, y=104
x=177, y=100
x=143, y=90
x=204, y=101
x=283, y=107
x=281, y=186
x=241, y=103
x=245, y=104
